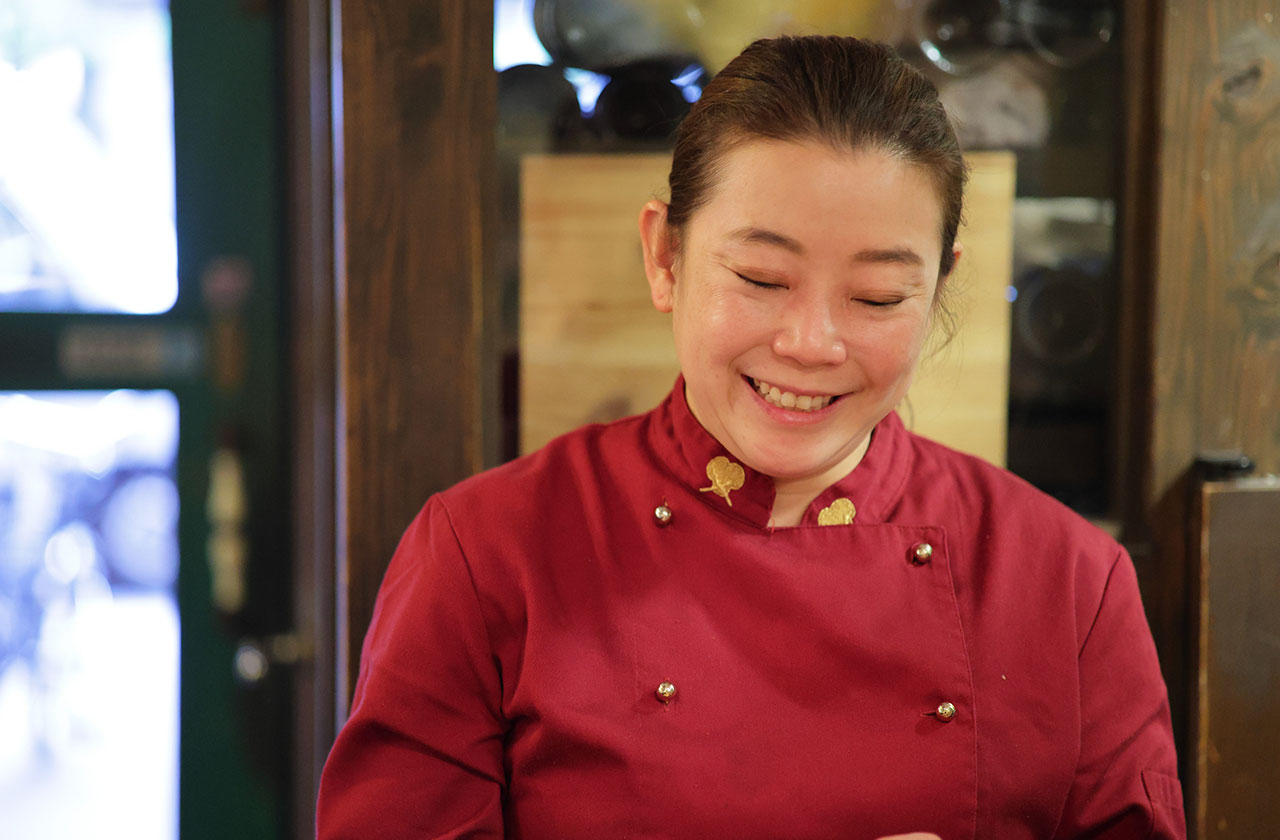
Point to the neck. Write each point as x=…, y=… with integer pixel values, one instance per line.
x=792, y=496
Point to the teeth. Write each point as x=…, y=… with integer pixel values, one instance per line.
x=788, y=400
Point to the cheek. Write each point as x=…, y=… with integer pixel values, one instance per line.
x=891, y=350
x=712, y=324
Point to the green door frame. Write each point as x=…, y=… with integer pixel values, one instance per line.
x=236, y=740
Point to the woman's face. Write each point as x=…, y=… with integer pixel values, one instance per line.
x=809, y=273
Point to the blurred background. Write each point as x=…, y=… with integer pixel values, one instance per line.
x=273, y=271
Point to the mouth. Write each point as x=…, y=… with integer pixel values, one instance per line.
x=789, y=401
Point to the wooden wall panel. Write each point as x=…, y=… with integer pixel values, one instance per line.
x=416, y=196
x=592, y=347
x=1237, y=713
x=1215, y=285
x=960, y=396
x=1217, y=364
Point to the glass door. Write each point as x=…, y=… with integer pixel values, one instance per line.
x=143, y=550
x=89, y=629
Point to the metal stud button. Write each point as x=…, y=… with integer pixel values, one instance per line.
x=922, y=553
x=662, y=515
x=666, y=691
x=946, y=711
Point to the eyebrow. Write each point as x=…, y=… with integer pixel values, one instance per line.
x=901, y=256
x=763, y=236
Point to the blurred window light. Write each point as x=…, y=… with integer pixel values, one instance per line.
x=86, y=157
x=588, y=85
x=514, y=39
x=689, y=81
x=89, y=628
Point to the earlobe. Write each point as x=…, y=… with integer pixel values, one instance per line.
x=659, y=255
x=957, y=250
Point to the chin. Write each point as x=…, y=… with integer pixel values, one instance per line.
x=785, y=462
x=793, y=470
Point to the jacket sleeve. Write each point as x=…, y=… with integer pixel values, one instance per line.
x=421, y=753
x=1126, y=783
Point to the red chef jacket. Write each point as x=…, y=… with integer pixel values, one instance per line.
x=966, y=657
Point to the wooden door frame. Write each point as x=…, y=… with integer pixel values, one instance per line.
x=308, y=70
x=1133, y=480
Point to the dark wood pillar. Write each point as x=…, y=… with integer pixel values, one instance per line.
x=416, y=98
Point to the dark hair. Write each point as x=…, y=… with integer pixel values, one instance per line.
x=850, y=93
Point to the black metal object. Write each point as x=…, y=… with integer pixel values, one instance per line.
x=1222, y=465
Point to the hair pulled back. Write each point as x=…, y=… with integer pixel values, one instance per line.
x=852, y=94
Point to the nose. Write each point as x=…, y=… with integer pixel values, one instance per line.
x=808, y=334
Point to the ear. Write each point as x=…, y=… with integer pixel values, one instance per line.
x=957, y=250
x=937, y=312
x=659, y=254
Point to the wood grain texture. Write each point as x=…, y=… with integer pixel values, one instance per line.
x=961, y=393
x=1237, y=714
x=1217, y=319
x=417, y=193
x=592, y=347
x=1215, y=280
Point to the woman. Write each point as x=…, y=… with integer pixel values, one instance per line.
x=765, y=609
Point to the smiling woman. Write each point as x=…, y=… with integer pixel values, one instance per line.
x=815, y=272
x=765, y=608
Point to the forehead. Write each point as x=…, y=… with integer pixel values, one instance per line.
x=814, y=193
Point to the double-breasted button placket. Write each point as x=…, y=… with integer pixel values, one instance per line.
x=920, y=554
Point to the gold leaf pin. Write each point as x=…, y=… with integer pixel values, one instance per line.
x=725, y=476
x=839, y=512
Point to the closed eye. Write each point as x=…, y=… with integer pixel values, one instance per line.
x=880, y=303
x=760, y=284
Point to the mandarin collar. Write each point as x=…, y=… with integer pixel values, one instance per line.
x=685, y=449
